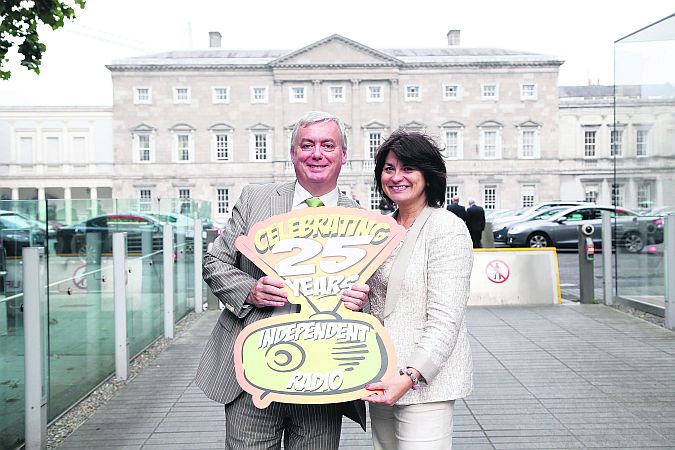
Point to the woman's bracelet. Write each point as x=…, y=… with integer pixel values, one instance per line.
x=415, y=381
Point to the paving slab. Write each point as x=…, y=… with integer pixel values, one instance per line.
x=559, y=376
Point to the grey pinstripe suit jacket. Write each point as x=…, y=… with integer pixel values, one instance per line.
x=230, y=276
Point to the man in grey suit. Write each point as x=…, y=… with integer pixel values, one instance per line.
x=318, y=151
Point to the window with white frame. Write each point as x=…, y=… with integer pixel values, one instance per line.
x=453, y=140
x=616, y=142
x=297, y=94
x=145, y=199
x=374, y=199
x=79, y=153
x=260, y=142
x=222, y=200
x=450, y=191
x=618, y=194
x=259, y=94
x=26, y=152
x=142, y=96
x=221, y=142
x=184, y=193
x=374, y=139
x=642, y=142
x=590, y=143
x=220, y=94
x=143, y=150
x=413, y=93
x=183, y=143
x=489, y=92
x=490, y=143
x=181, y=95
x=644, y=195
x=450, y=91
x=591, y=191
x=528, y=194
x=336, y=94
x=375, y=93
x=490, y=197
x=528, y=91
x=528, y=143
x=52, y=151
x=259, y=146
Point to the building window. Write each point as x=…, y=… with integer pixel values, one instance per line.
x=489, y=91
x=589, y=143
x=450, y=91
x=183, y=145
x=413, y=93
x=79, y=153
x=528, y=91
x=297, y=94
x=145, y=199
x=373, y=143
x=52, y=154
x=375, y=93
x=184, y=194
x=591, y=193
x=221, y=95
x=490, y=197
x=644, y=195
x=374, y=199
x=528, y=147
x=222, y=201
x=222, y=146
x=528, y=195
x=617, y=194
x=450, y=191
x=642, y=142
x=453, y=141
x=336, y=94
x=25, y=155
x=490, y=144
x=615, y=142
x=181, y=95
x=260, y=146
x=259, y=94
x=142, y=96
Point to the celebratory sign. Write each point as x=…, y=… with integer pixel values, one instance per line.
x=325, y=353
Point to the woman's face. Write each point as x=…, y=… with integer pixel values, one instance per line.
x=404, y=185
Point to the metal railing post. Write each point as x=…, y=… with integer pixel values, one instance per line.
x=199, y=301
x=33, y=326
x=669, y=274
x=167, y=252
x=607, y=274
x=119, y=251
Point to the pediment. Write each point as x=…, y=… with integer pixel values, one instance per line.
x=413, y=126
x=529, y=124
x=374, y=125
x=259, y=127
x=182, y=127
x=334, y=51
x=490, y=124
x=222, y=126
x=143, y=128
x=451, y=124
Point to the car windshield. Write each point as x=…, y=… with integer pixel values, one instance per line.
x=13, y=221
x=548, y=213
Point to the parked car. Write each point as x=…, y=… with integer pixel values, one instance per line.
x=17, y=232
x=73, y=239
x=632, y=231
x=499, y=234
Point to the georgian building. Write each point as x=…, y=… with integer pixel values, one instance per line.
x=203, y=123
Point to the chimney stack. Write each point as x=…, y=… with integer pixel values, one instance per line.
x=453, y=37
x=214, y=39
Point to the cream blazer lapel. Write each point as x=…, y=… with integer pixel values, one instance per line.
x=402, y=260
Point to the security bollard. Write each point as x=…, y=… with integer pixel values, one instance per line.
x=586, y=257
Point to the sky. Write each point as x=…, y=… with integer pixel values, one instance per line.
x=580, y=32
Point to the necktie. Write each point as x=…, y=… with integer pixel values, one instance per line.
x=314, y=202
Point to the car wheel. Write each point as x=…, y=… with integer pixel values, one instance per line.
x=633, y=242
x=538, y=240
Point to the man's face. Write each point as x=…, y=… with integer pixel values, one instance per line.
x=318, y=156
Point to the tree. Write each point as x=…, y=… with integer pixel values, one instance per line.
x=20, y=20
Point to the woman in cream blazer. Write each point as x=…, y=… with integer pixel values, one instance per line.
x=420, y=295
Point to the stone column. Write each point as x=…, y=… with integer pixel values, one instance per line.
x=68, y=205
x=318, y=98
x=93, y=196
x=356, y=150
x=41, y=210
x=15, y=193
x=394, y=95
x=279, y=138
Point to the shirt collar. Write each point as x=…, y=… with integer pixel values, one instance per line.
x=300, y=194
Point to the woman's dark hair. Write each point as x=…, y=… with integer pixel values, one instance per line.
x=416, y=150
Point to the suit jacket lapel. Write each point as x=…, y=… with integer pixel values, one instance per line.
x=343, y=200
x=402, y=260
x=283, y=201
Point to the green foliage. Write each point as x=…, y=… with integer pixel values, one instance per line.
x=20, y=20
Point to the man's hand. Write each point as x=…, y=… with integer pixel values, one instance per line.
x=355, y=297
x=267, y=291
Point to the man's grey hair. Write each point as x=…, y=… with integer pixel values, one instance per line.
x=471, y=201
x=316, y=117
x=455, y=199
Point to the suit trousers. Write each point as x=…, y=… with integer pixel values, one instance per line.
x=302, y=426
x=424, y=426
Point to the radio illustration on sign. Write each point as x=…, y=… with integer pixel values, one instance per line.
x=325, y=353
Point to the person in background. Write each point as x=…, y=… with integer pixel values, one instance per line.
x=420, y=294
x=318, y=151
x=385, y=207
x=457, y=209
x=475, y=222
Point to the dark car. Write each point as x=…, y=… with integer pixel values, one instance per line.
x=632, y=231
x=73, y=239
x=17, y=232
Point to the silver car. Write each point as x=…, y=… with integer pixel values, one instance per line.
x=632, y=231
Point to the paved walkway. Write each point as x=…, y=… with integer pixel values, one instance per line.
x=568, y=376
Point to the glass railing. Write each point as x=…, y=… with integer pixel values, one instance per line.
x=77, y=237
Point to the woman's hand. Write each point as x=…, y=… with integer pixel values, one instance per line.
x=355, y=297
x=389, y=391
